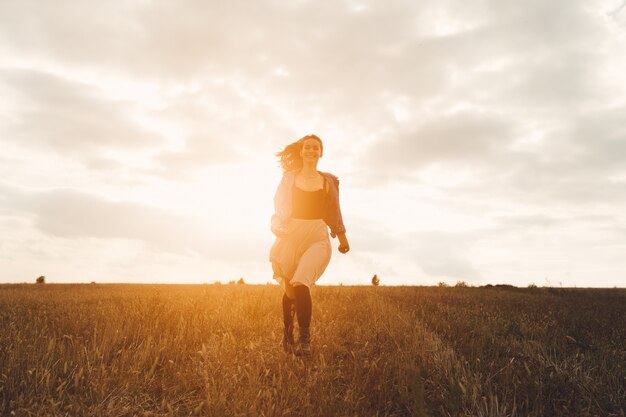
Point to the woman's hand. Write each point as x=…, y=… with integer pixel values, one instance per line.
x=279, y=232
x=279, y=227
x=344, y=246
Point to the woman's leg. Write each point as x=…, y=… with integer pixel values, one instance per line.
x=304, y=309
x=288, y=308
x=288, y=313
x=311, y=266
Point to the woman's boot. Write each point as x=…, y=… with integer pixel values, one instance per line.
x=304, y=349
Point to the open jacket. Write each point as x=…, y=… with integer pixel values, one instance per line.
x=282, y=203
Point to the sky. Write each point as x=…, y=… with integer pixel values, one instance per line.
x=480, y=141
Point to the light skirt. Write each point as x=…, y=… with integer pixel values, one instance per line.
x=303, y=255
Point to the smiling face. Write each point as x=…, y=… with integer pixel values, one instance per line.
x=311, y=150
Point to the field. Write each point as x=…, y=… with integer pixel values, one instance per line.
x=123, y=350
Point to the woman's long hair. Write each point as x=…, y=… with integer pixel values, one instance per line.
x=289, y=158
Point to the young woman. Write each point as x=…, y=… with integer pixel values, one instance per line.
x=306, y=205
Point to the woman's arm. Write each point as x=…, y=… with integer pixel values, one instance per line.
x=282, y=200
x=344, y=246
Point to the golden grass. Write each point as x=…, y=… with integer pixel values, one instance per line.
x=122, y=350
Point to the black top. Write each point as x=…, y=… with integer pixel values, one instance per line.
x=308, y=205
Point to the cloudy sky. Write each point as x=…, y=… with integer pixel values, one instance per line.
x=482, y=141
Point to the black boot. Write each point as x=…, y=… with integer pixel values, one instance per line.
x=304, y=349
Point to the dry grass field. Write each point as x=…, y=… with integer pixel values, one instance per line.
x=152, y=350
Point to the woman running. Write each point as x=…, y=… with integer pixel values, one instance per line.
x=306, y=204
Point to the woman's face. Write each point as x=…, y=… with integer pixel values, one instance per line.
x=311, y=150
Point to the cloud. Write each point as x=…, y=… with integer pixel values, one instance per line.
x=600, y=136
x=200, y=152
x=461, y=138
x=137, y=38
x=576, y=161
x=369, y=235
x=445, y=255
x=52, y=113
x=436, y=253
x=73, y=214
x=516, y=73
x=216, y=124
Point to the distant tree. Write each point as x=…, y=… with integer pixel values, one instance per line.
x=442, y=284
x=375, y=280
x=461, y=284
x=505, y=286
x=41, y=280
x=241, y=281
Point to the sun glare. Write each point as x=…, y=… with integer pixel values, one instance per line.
x=236, y=197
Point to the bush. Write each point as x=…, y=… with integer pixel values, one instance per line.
x=41, y=280
x=375, y=280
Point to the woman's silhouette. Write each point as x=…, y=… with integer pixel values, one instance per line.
x=306, y=205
